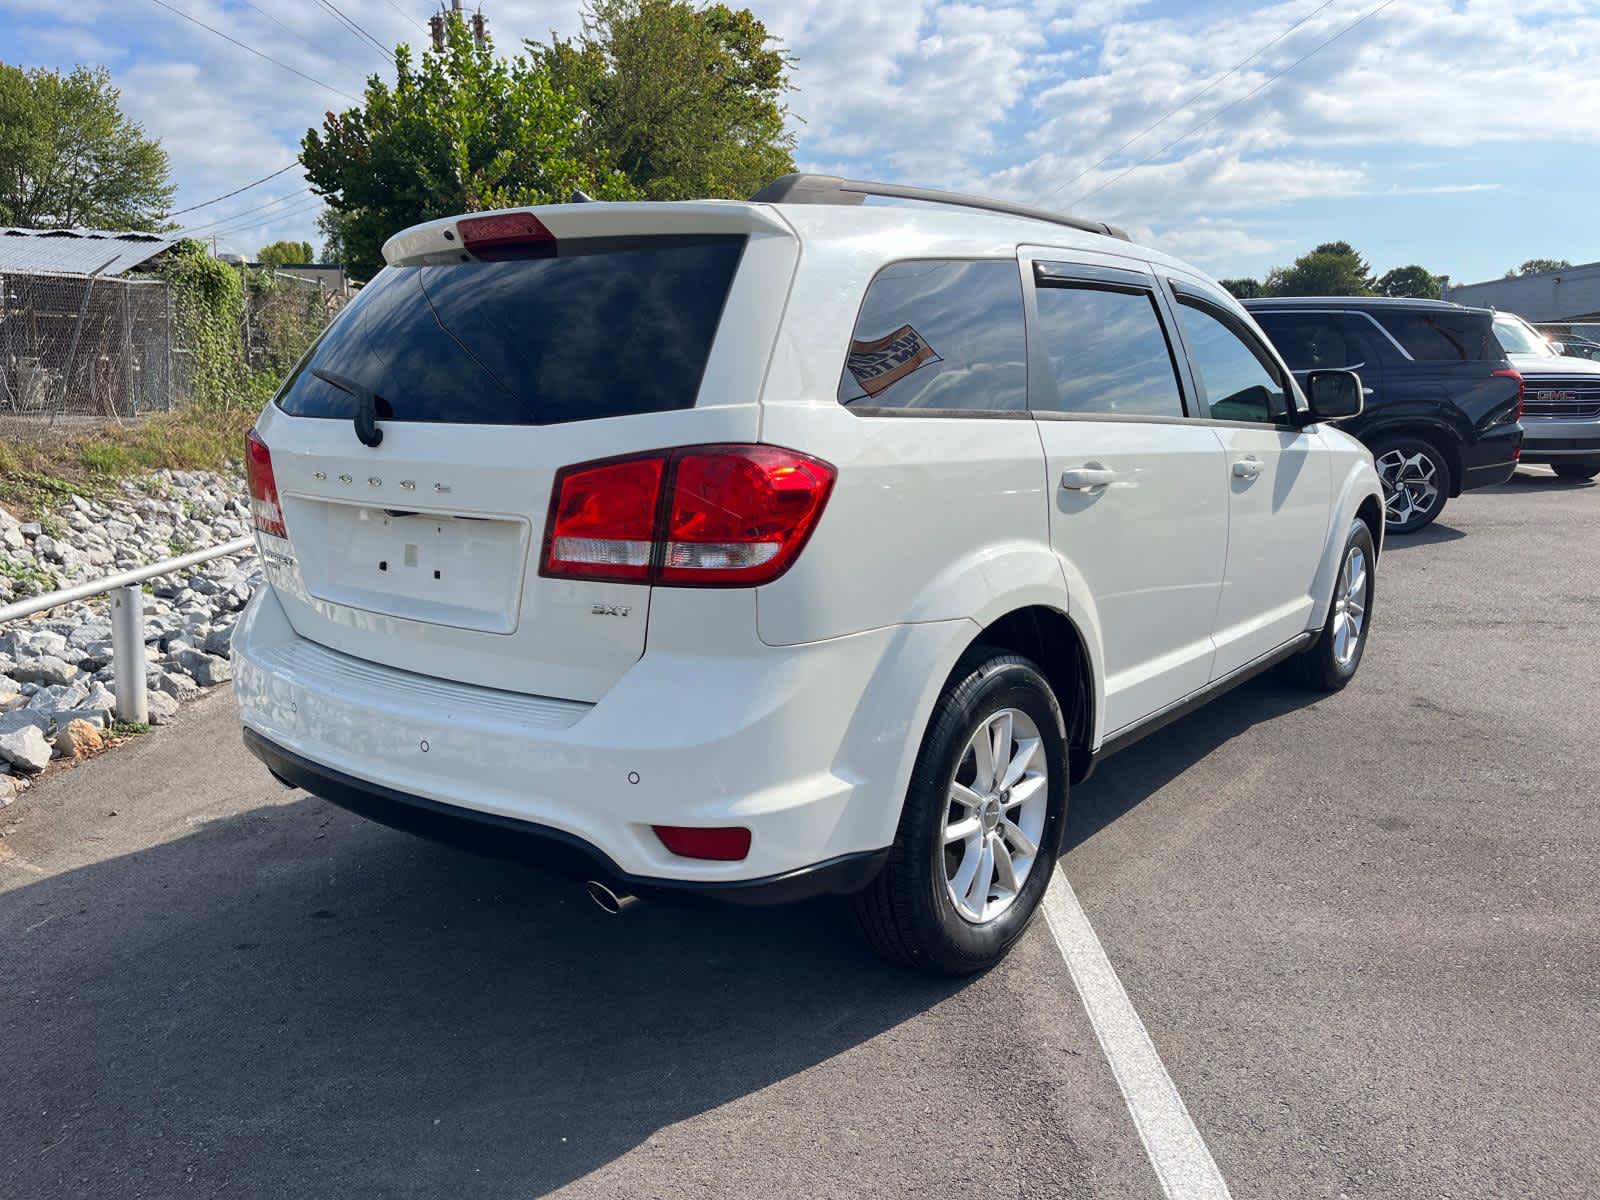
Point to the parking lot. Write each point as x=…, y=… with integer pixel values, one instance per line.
x=1360, y=930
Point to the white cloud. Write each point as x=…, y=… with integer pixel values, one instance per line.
x=1020, y=99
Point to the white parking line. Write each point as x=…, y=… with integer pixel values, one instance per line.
x=1178, y=1153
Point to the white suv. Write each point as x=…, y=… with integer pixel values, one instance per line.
x=787, y=547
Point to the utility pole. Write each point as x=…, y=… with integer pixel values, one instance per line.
x=437, y=25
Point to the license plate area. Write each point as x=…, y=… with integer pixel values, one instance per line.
x=445, y=569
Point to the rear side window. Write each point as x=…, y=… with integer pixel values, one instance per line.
x=1107, y=352
x=1239, y=380
x=939, y=335
x=606, y=329
x=1441, y=335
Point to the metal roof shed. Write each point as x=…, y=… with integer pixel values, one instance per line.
x=77, y=251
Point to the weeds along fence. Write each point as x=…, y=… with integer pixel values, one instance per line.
x=77, y=349
x=84, y=346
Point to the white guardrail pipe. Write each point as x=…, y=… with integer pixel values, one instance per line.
x=127, y=616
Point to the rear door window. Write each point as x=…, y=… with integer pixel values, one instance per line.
x=939, y=336
x=1311, y=341
x=1107, y=352
x=1440, y=335
x=603, y=329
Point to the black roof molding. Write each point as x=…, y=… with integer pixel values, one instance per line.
x=1351, y=302
x=831, y=189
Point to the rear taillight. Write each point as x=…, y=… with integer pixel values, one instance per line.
x=603, y=519
x=1522, y=387
x=506, y=235
x=698, y=516
x=727, y=843
x=264, y=506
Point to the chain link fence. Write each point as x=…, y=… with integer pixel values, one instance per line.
x=81, y=350
x=80, y=346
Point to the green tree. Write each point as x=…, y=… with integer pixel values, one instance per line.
x=687, y=101
x=1417, y=283
x=1538, y=266
x=1331, y=269
x=460, y=130
x=282, y=254
x=330, y=225
x=1243, y=289
x=69, y=158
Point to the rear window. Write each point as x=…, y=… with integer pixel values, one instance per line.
x=600, y=330
x=1441, y=335
x=940, y=335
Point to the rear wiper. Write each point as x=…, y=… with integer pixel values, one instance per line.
x=367, y=404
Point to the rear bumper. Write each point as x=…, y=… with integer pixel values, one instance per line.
x=540, y=845
x=809, y=747
x=1492, y=459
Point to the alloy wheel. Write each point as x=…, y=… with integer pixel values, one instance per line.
x=1350, y=607
x=995, y=815
x=1410, y=484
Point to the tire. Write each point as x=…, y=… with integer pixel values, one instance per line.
x=1576, y=470
x=909, y=914
x=1330, y=662
x=1423, y=472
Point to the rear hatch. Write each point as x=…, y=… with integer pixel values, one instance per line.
x=493, y=353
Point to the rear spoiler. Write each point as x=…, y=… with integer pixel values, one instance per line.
x=439, y=243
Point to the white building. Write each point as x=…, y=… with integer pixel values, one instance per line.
x=1570, y=294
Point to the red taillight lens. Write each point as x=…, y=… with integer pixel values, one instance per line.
x=505, y=235
x=603, y=519
x=1522, y=387
x=740, y=514
x=726, y=844
x=734, y=516
x=264, y=506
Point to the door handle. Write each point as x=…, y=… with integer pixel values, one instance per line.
x=1247, y=468
x=1087, y=477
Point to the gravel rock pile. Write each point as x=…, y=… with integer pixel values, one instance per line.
x=56, y=670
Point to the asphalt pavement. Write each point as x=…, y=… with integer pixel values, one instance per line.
x=1360, y=930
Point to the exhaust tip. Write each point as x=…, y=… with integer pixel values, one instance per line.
x=609, y=900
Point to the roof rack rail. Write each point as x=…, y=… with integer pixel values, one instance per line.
x=831, y=189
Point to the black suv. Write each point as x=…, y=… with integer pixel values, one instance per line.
x=1443, y=401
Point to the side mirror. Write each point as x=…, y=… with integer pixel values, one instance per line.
x=1334, y=395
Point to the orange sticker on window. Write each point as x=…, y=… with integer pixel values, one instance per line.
x=883, y=362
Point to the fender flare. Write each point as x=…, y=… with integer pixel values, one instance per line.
x=999, y=580
x=1435, y=429
x=1359, y=483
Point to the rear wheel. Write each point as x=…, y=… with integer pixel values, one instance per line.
x=1416, y=481
x=982, y=823
x=1331, y=661
x=1576, y=470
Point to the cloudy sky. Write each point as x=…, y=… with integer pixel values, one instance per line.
x=1462, y=135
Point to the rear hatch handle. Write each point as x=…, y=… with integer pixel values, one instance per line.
x=367, y=402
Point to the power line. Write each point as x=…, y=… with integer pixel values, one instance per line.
x=300, y=37
x=1172, y=112
x=252, y=222
x=244, y=212
x=355, y=28
x=236, y=191
x=1235, y=104
x=420, y=27
x=245, y=46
